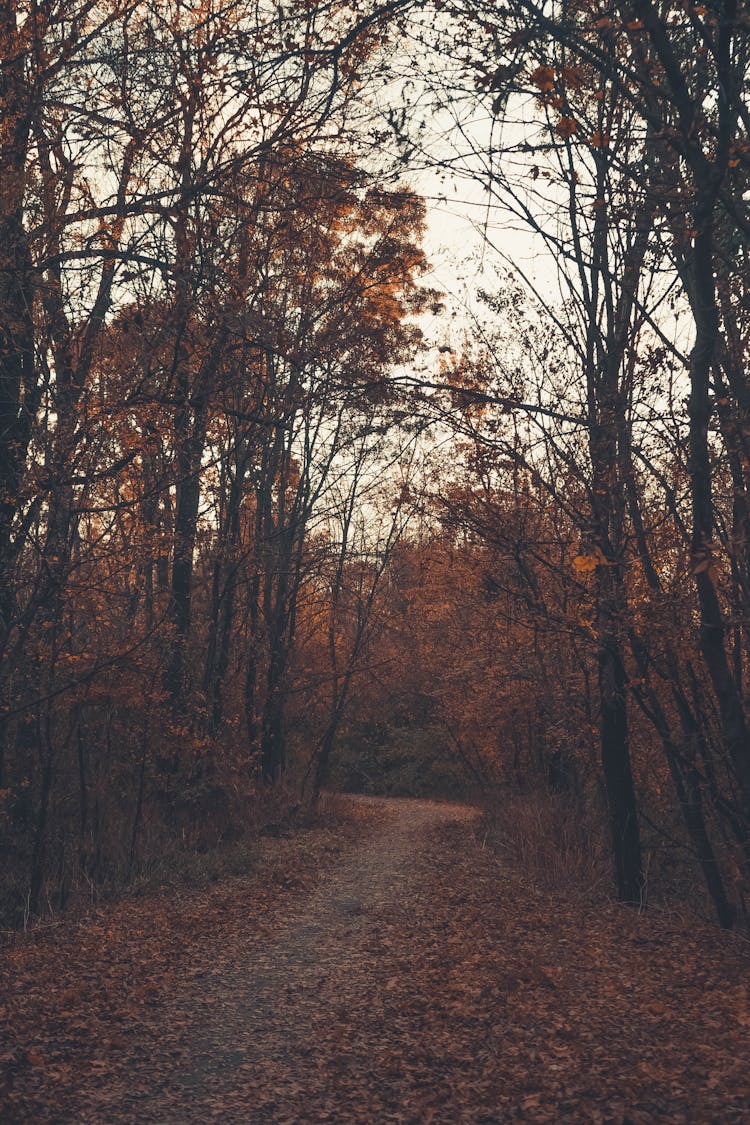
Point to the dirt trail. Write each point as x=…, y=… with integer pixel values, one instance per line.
x=269, y=1020
x=414, y=978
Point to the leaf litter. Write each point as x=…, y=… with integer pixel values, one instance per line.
x=391, y=971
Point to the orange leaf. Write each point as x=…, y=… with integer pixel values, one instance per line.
x=566, y=126
x=543, y=78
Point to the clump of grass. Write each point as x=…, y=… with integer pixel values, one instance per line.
x=555, y=840
x=196, y=868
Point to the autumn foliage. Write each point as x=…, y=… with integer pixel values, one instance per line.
x=259, y=535
x=207, y=295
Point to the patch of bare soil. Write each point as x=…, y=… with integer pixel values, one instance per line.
x=409, y=978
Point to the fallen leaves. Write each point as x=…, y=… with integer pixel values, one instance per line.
x=92, y=994
x=457, y=993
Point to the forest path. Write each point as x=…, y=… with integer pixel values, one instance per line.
x=296, y=1022
x=400, y=973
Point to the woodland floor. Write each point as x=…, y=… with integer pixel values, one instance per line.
x=394, y=971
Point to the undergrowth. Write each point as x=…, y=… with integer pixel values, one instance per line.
x=559, y=842
x=552, y=839
x=192, y=840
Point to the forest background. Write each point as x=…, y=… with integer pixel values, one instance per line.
x=277, y=513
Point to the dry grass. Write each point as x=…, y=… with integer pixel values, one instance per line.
x=187, y=840
x=556, y=842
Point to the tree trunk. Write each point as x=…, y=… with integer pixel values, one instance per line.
x=189, y=442
x=18, y=378
x=223, y=594
x=711, y=630
x=618, y=777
